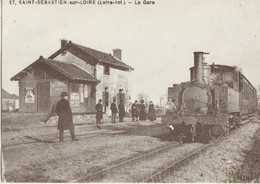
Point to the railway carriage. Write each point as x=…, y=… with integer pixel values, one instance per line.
x=211, y=103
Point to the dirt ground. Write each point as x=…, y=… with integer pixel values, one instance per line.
x=32, y=152
x=228, y=161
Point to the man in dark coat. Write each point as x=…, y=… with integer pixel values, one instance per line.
x=65, y=121
x=134, y=111
x=151, y=111
x=121, y=109
x=142, y=111
x=138, y=106
x=114, y=111
x=99, y=114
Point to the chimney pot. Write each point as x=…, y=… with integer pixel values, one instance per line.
x=63, y=42
x=117, y=53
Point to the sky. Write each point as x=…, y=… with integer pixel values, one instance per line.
x=157, y=40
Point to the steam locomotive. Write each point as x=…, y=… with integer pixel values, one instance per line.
x=213, y=102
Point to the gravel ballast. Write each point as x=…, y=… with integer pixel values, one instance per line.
x=220, y=163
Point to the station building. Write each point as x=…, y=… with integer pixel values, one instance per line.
x=86, y=74
x=10, y=102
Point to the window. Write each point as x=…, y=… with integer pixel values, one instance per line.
x=86, y=91
x=228, y=76
x=74, y=95
x=74, y=87
x=106, y=70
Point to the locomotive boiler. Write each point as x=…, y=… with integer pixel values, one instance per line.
x=211, y=103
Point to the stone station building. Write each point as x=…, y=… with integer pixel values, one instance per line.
x=86, y=74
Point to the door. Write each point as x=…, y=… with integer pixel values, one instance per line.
x=105, y=100
x=44, y=103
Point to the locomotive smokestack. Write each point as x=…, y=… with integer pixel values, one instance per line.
x=198, y=66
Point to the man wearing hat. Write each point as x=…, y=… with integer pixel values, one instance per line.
x=65, y=121
x=99, y=114
x=134, y=111
x=151, y=111
x=121, y=109
x=114, y=111
x=142, y=111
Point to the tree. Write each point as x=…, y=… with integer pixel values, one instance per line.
x=163, y=100
x=143, y=96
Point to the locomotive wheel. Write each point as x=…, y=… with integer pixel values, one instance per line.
x=176, y=132
x=205, y=134
x=217, y=130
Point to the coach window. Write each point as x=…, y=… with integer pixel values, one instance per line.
x=228, y=76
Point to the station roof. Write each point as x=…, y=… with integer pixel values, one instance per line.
x=99, y=56
x=6, y=95
x=70, y=71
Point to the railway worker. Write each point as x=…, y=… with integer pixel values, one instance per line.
x=99, y=114
x=151, y=111
x=134, y=111
x=142, y=111
x=65, y=121
x=121, y=108
x=114, y=111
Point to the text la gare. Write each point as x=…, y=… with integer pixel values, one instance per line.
x=144, y=2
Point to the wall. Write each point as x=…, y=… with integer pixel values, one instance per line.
x=117, y=79
x=32, y=81
x=10, y=104
x=86, y=101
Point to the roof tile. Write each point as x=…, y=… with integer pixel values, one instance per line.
x=104, y=57
x=72, y=70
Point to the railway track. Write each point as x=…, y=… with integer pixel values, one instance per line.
x=53, y=138
x=97, y=175
x=157, y=175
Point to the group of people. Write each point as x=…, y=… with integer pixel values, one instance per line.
x=114, y=110
x=65, y=121
x=138, y=111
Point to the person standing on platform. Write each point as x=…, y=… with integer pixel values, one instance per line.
x=65, y=121
x=151, y=111
x=121, y=108
x=138, y=111
x=114, y=111
x=142, y=111
x=99, y=114
x=134, y=111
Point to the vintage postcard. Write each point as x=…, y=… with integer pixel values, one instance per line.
x=124, y=91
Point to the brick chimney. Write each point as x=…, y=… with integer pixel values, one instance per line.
x=63, y=42
x=117, y=53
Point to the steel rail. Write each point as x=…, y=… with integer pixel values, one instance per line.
x=157, y=176
x=56, y=140
x=97, y=175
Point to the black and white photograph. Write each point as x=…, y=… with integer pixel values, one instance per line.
x=130, y=91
